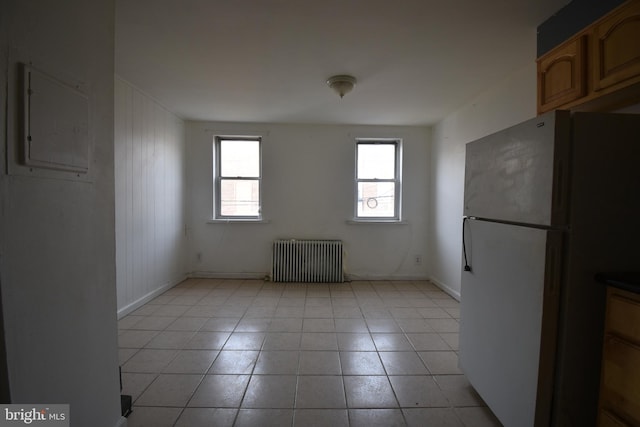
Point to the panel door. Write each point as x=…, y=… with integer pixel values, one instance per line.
x=562, y=75
x=503, y=313
x=616, y=49
x=520, y=174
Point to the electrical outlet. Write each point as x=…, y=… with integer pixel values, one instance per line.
x=417, y=259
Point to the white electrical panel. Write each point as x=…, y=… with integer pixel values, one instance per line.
x=56, y=124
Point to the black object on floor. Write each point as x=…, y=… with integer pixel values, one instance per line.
x=125, y=404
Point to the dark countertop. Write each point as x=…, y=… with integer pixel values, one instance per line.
x=628, y=281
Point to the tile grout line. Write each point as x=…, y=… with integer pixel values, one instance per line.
x=360, y=295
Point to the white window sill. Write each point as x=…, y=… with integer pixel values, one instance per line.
x=376, y=221
x=238, y=221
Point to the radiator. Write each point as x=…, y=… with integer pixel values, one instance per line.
x=307, y=261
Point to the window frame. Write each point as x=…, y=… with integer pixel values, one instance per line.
x=397, y=180
x=218, y=178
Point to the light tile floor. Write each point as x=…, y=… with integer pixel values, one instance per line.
x=214, y=352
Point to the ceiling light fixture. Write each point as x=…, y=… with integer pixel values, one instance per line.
x=342, y=84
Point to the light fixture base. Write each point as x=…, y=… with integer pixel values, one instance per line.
x=342, y=84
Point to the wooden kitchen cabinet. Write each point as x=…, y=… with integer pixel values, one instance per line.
x=562, y=75
x=620, y=375
x=615, y=47
x=598, y=67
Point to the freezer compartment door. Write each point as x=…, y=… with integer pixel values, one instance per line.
x=520, y=174
x=508, y=301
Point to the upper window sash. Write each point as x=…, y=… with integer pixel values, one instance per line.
x=378, y=173
x=234, y=171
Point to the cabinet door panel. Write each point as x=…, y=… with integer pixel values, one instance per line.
x=616, y=47
x=621, y=377
x=607, y=419
x=623, y=317
x=561, y=75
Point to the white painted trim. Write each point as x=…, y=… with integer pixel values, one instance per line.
x=352, y=277
x=231, y=132
x=122, y=422
x=148, y=297
x=237, y=221
x=376, y=222
x=347, y=277
x=214, y=275
x=452, y=292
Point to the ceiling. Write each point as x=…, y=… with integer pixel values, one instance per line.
x=268, y=60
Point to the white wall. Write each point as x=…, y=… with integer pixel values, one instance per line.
x=308, y=173
x=149, y=191
x=57, y=263
x=511, y=101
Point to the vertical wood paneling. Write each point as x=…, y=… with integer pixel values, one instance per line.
x=147, y=215
x=160, y=135
x=127, y=196
x=120, y=157
x=136, y=194
x=149, y=168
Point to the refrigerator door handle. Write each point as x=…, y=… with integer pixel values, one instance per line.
x=467, y=267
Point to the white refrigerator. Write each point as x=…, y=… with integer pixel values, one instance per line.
x=547, y=204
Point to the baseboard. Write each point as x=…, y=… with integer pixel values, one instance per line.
x=352, y=277
x=148, y=297
x=347, y=277
x=455, y=294
x=214, y=275
x=122, y=422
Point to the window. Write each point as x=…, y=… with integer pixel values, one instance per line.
x=378, y=164
x=237, y=178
